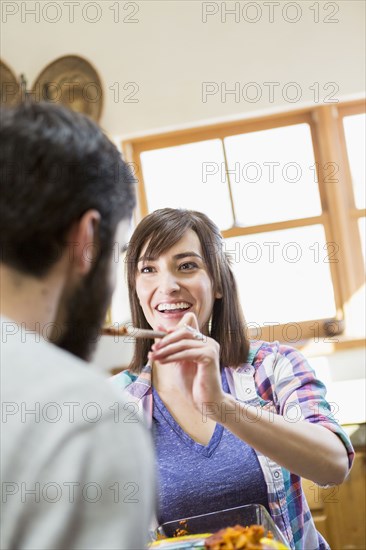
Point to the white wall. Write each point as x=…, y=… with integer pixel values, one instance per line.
x=169, y=52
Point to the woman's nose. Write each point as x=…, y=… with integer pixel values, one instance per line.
x=168, y=284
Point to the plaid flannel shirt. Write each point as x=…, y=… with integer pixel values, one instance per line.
x=279, y=378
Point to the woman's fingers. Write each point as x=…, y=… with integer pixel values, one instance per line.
x=187, y=350
x=197, y=335
x=173, y=347
x=189, y=319
x=183, y=332
x=195, y=355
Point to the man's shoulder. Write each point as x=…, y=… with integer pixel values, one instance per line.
x=44, y=386
x=64, y=422
x=33, y=367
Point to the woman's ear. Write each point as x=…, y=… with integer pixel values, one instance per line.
x=218, y=295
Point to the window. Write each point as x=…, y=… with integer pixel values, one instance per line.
x=288, y=193
x=355, y=130
x=188, y=186
x=272, y=174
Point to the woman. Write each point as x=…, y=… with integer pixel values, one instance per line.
x=233, y=422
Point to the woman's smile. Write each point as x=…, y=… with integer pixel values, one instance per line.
x=174, y=309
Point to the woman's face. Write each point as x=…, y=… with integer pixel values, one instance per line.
x=174, y=283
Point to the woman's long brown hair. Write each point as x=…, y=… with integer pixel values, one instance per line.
x=161, y=230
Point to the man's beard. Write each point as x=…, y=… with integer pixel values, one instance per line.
x=85, y=311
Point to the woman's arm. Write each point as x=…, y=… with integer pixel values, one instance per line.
x=309, y=450
x=305, y=448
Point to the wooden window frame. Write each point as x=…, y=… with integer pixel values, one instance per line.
x=339, y=215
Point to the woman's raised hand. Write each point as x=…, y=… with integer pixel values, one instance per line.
x=195, y=359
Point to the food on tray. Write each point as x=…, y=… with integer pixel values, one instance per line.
x=236, y=538
x=183, y=530
x=254, y=537
x=242, y=538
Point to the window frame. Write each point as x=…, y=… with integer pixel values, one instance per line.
x=339, y=215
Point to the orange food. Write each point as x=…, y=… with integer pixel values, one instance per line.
x=237, y=538
x=183, y=531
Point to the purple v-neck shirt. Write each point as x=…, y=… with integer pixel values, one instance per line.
x=196, y=479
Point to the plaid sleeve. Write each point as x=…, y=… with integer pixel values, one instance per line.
x=122, y=380
x=300, y=394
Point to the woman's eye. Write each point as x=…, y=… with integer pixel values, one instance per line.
x=187, y=265
x=146, y=269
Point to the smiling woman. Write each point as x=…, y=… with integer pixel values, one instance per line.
x=177, y=256
x=176, y=282
x=234, y=422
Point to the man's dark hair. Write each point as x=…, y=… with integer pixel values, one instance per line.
x=55, y=165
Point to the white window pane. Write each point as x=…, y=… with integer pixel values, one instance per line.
x=355, y=129
x=362, y=229
x=273, y=176
x=189, y=176
x=284, y=276
x=120, y=308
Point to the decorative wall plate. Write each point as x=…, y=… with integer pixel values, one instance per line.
x=73, y=82
x=9, y=86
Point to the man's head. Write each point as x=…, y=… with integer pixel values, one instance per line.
x=61, y=178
